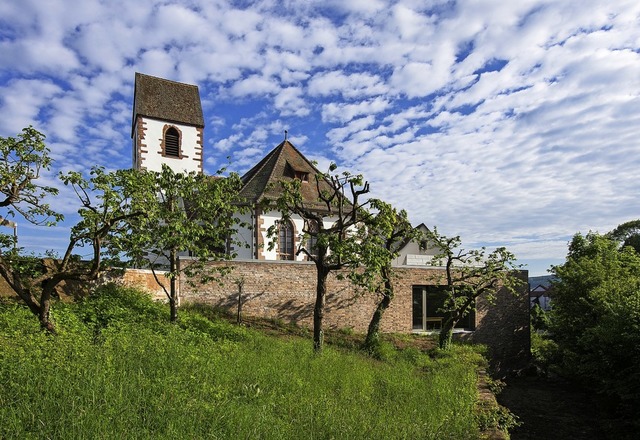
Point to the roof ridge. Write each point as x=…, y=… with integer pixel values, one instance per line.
x=260, y=182
x=166, y=80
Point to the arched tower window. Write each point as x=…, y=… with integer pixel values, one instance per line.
x=285, y=242
x=172, y=142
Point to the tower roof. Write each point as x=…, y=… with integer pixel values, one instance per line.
x=166, y=100
x=284, y=162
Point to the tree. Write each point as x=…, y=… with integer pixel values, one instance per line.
x=595, y=316
x=103, y=218
x=468, y=275
x=22, y=160
x=187, y=212
x=627, y=234
x=387, y=231
x=334, y=247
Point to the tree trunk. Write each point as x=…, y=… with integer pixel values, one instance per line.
x=173, y=282
x=239, y=317
x=15, y=282
x=373, y=332
x=318, y=310
x=445, y=338
x=45, y=310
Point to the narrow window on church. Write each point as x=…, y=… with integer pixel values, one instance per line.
x=312, y=240
x=285, y=242
x=172, y=142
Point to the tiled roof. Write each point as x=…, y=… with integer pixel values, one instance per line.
x=262, y=181
x=160, y=98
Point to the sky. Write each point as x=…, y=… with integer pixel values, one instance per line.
x=509, y=123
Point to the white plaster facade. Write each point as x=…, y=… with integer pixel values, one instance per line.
x=257, y=238
x=148, y=134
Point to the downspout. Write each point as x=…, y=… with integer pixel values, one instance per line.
x=254, y=242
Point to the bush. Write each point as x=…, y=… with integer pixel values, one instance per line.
x=545, y=353
x=111, y=305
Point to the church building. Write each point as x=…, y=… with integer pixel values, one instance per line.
x=167, y=128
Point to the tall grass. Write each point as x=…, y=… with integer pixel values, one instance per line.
x=119, y=370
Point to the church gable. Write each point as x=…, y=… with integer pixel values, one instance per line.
x=284, y=162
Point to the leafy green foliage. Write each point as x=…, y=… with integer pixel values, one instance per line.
x=22, y=160
x=539, y=318
x=111, y=305
x=493, y=416
x=627, y=234
x=545, y=353
x=184, y=212
x=384, y=232
x=596, y=316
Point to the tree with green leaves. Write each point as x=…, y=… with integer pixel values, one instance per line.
x=107, y=205
x=627, y=234
x=189, y=212
x=22, y=161
x=468, y=275
x=335, y=247
x=387, y=231
x=595, y=317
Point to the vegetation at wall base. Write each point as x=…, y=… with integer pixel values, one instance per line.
x=118, y=369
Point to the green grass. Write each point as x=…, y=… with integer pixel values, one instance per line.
x=117, y=369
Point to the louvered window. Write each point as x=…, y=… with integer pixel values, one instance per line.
x=172, y=142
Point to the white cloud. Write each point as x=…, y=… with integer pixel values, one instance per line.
x=22, y=103
x=290, y=102
x=254, y=85
x=349, y=85
x=31, y=55
x=418, y=79
x=342, y=112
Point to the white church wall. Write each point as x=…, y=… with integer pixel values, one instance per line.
x=270, y=219
x=244, y=234
x=191, y=148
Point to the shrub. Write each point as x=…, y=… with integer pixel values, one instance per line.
x=112, y=304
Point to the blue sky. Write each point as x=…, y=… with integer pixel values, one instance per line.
x=507, y=123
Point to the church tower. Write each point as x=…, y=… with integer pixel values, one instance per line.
x=167, y=125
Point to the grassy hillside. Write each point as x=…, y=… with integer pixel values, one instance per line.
x=118, y=369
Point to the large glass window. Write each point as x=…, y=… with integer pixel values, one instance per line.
x=428, y=302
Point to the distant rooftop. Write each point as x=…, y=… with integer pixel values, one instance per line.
x=544, y=281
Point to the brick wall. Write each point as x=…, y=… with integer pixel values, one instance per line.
x=139, y=278
x=286, y=290
x=144, y=279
